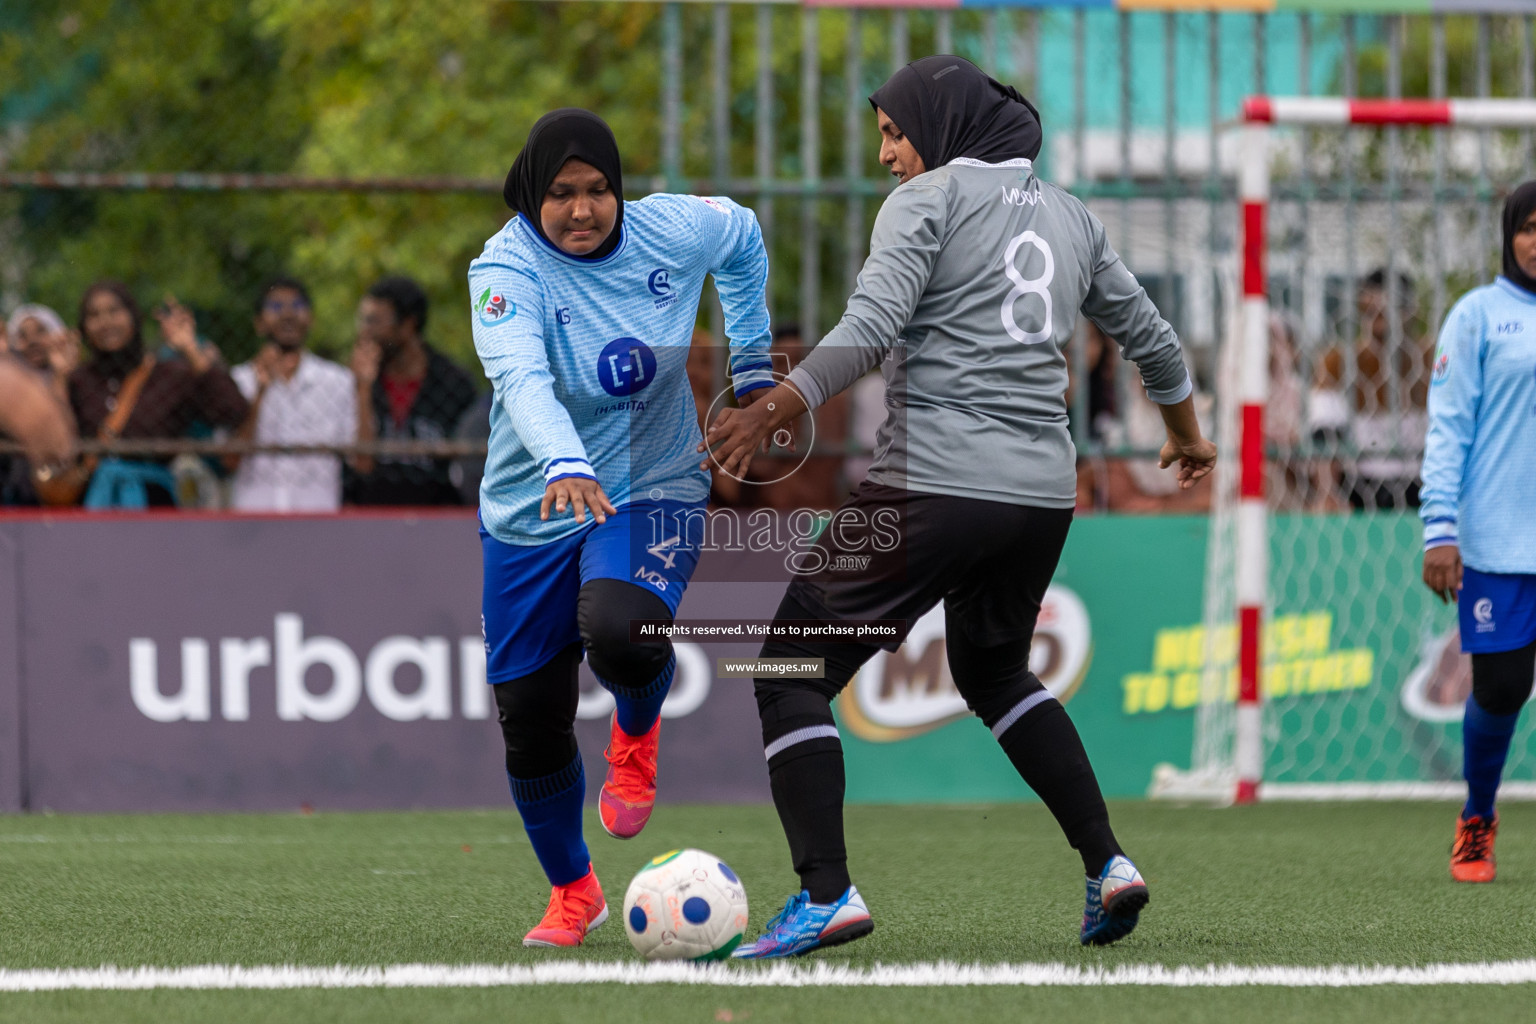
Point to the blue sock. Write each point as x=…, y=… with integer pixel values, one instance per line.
x=1485, y=745
x=551, y=810
x=639, y=709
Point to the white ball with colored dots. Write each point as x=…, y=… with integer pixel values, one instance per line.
x=685, y=905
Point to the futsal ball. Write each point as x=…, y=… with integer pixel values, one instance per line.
x=685, y=905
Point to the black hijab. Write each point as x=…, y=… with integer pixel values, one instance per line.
x=949, y=108
x=1517, y=210
x=118, y=364
x=558, y=136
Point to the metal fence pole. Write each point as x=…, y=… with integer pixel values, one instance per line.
x=721, y=121
x=763, y=130
x=855, y=113
x=672, y=95
x=1437, y=89
x=810, y=157
x=1080, y=169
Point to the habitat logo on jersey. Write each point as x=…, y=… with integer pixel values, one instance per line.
x=494, y=308
x=625, y=366
x=907, y=692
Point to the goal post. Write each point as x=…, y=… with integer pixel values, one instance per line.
x=1236, y=731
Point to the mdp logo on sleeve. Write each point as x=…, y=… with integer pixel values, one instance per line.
x=625, y=366
x=660, y=285
x=494, y=308
x=1442, y=369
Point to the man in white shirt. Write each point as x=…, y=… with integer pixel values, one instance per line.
x=299, y=398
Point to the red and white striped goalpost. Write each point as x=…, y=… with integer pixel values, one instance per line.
x=1252, y=564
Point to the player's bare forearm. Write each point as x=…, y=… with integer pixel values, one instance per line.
x=1180, y=420
x=737, y=433
x=1194, y=455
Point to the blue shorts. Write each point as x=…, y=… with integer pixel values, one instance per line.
x=528, y=604
x=1498, y=611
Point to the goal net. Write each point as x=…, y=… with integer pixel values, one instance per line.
x=1330, y=671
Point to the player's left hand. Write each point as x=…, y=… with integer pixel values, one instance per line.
x=735, y=437
x=1195, y=458
x=1443, y=572
x=578, y=493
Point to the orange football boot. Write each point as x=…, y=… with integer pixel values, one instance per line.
x=574, y=910
x=1472, y=853
x=629, y=791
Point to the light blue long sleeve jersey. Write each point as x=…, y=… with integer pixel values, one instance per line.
x=1480, y=457
x=588, y=357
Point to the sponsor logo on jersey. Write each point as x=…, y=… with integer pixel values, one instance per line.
x=1442, y=367
x=625, y=366
x=1482, y=611
x=660, y=285
x=1509, y=327
x=1021, y=197
x=907, y=692
x=494, y=308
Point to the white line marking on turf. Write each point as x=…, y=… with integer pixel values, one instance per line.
x=821, y=975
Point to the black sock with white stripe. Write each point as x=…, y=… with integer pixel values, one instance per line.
x=805, y=771
x=1038, y=736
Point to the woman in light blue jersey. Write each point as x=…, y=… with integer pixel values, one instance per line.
x=591, y=504
x=1479, y=512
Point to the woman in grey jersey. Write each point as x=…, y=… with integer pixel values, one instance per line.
x=976, y=272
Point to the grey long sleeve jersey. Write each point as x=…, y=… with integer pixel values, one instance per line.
x=975, y=275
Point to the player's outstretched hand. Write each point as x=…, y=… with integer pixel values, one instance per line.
x=1195, y=458
x=1442, y=571
x=578, y=493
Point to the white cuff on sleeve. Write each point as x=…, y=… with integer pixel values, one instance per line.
x=1172, y=396
x=559, y=468
x=1439, y=533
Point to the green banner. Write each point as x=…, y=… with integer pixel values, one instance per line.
x=1362, y=670
x=907, y=735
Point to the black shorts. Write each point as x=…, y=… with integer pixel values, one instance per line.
x=894, y=554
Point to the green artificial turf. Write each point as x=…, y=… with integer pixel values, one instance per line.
x=1279, y=884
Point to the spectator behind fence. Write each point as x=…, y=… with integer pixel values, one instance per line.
x=467, y=471
x=41, y=343
x=124, y=392
x=1101, y=417
x=34, y=417
x=39, y=338
x=297, y=398
x=1127, y=483
x=1374, y=395
x=1297, y=480
x=406, y=390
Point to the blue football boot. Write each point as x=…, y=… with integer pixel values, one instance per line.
x=1115, y=900
x=803, y=926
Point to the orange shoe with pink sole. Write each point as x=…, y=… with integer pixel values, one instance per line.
x=574, y=910
x=629, y=791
